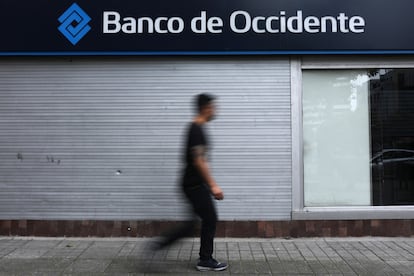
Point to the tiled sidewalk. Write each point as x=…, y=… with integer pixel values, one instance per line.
x=130, y=256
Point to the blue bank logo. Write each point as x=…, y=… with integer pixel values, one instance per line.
x=74, y=24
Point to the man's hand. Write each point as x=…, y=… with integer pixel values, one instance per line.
x=202, y=165
x=217, y=192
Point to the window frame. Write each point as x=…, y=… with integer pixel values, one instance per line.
x=299, y=64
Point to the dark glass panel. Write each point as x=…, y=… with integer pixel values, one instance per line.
x=392, y=136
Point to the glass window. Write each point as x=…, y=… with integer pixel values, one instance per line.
x=392, y=136
x=358, y=135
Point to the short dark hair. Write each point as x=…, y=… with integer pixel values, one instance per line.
x=203, y=100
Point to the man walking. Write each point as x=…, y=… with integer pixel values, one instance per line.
x=198, y=182
x=199, y=186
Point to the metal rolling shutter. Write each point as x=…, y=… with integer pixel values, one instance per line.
x=100, y=138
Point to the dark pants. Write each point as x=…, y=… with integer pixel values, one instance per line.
x=203, y=206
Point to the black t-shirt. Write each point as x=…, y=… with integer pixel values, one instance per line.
x=195, y=138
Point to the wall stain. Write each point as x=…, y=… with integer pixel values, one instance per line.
x=51, y=159
x=20, y=157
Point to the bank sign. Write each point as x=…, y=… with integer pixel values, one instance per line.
x=178, y=27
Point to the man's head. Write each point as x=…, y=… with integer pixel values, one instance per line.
x=205, y=106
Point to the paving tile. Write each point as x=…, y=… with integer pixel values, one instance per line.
x=120, y=266
x=88, y=266
x=26, y=253
x=24, y=266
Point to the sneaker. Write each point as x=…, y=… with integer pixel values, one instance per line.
x=211, y=265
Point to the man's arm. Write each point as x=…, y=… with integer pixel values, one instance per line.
x=201, y=164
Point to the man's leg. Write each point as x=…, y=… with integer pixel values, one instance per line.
x=203, y=206
x=208, y=216
x=185, y=229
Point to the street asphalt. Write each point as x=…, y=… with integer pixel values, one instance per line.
x=132, y=256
